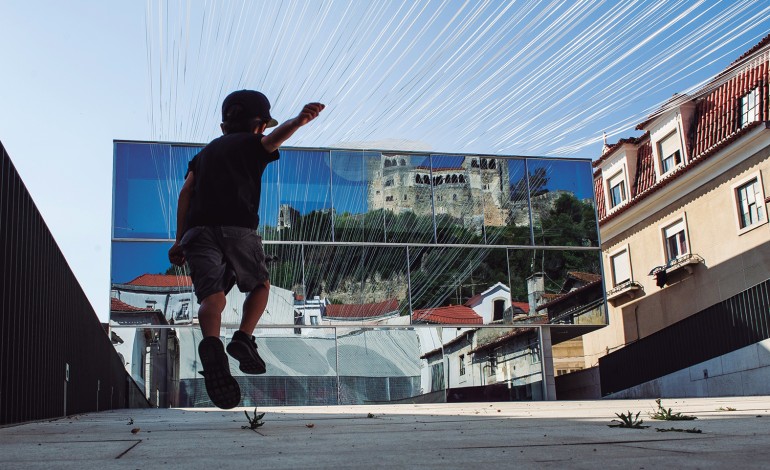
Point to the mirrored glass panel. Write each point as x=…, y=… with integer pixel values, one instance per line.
x=357, y=197
x=269, y=202
x=305, y=210
x=507, y=220
x=459, y=196
x=378, y=365
x=142, y=199
x=566, y=287
x=144, y=283
x=562, y=200
x=460, y=286
x=148, y=178
x=407, y=204
x=345, y=365
x=489, y=364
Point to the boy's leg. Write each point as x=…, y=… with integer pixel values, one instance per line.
x=210, y=314
x=221, y=387
x=254, y=306
x=243, y=346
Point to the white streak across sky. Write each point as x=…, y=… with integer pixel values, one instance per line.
x=503, y=77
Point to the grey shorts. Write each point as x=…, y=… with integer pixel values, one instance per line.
x=220, y=257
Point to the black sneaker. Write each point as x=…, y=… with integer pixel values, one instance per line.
x=243, y=347
x=222, y=388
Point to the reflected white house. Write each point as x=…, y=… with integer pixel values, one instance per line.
x=485, y=364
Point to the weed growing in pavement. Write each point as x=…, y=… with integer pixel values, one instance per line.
x=254, y=422
x=672, y=429
x=628, y=421
x=667, y=415
x=726, y=408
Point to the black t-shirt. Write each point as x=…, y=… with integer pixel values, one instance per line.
x=228, y=180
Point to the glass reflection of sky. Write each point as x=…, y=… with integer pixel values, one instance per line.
x=563, y=175
x=148, y=178
x=131, y=259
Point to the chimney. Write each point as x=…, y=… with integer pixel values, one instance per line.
x=535, y=290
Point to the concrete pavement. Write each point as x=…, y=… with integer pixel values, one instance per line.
x=472, y=435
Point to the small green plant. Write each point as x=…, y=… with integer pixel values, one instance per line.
x=628, y=421
x=667, y=415
x=672, y=429
x=255, y=421
x=726, y=408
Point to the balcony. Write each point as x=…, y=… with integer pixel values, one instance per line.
x=624, y=291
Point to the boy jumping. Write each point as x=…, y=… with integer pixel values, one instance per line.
x=217, y=232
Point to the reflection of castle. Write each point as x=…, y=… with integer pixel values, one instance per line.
x=473, y=193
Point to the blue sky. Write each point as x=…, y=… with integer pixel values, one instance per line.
x=513, y=78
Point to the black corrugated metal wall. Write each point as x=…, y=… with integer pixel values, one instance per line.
x=47, y=323
x=734, y=323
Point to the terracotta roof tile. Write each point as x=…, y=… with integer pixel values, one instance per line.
x=584, y=276
x=161, y=280
x=715, y=125
x=523, y=306
x=362, y=311
x=472, y=300
x=503, y=338
x=560, y=297
x=601, y=210
x=116, y=305
x=645, y=169
x=453, y=314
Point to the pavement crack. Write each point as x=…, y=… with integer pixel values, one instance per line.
x=126, y=451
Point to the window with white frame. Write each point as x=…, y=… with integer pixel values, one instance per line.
x=313, y=319
x=749, y=198
x=675, y=240
x=617, y=189
x=670, y=152
x=621, y=267
x=462, y=364
x=749, y=107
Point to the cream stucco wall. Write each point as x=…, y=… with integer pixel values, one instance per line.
x=732, y=260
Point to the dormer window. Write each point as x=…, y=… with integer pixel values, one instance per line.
x=617, y=189
x=749, y=108
x=670, y=153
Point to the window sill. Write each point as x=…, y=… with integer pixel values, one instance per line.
x=751, y=227
x=627, y=288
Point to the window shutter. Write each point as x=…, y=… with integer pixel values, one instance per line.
x=621, y=267
x=669, y=145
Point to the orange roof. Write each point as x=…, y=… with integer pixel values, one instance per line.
x=524, y=306
x=161, y=280
x=584, y=276
x=714, y=126
x=116, y=305
x=452, y=314
x=360, y=311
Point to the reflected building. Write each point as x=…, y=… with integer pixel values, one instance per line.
x=473, y=192
x=172, y=295
x=486, y=364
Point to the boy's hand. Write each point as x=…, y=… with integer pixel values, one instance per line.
x=175, y=255
x=284, y=131
x=309, y=112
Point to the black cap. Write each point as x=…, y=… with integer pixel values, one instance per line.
x=254, y=104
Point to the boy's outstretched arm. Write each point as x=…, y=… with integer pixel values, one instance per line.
x=287, y=129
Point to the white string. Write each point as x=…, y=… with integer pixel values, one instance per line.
x=513, y=78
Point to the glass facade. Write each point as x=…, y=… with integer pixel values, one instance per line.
x=366, y=248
